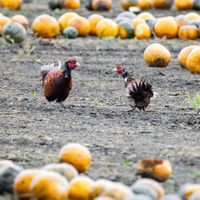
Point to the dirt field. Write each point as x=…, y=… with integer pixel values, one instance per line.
x=33, y=130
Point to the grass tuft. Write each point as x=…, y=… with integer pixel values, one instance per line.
x=194, y=103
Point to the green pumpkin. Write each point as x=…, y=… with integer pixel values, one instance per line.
x=70, y=32
x=53, y=4
x=14, y=32
x=141, y=189
x=127, y=14
x=196, y=5
x=65, y=169
x=120, y=19
x=7, y=177
x=128, y=27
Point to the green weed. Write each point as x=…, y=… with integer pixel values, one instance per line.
x=195, y=174
x=95, y=100
x=127, y=163
x=194, y=103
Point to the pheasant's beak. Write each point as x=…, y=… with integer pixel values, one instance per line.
x=114, y=70
x=77, y=64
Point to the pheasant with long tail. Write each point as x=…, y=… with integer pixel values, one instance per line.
x=138, y=91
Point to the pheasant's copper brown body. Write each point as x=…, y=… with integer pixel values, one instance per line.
x=138, y=92
x=57, y=83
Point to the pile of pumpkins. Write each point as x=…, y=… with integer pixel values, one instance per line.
x=14, y=29
x=65, y=180
x=161, y=4
x=126, y=25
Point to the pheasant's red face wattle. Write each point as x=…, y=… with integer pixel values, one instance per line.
x=72, y=64
x=119, y=69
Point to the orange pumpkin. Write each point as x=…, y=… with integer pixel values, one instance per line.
x=193, y=61
x=22, y=183
x=80, y=188
x=70, y=4
x=163, y=4
x=152, y=184
x=145, y=15
x=106, y=28
x=49, y=185
x=63, y=20
x=145, y=4
x=138, y=21
x=166, y=26
x=193, y=16
x=184, y=5
x=76, y=155
x=187, y=189
x=101, y=5
x=188, y=32
x=156, y=55
x=45, y=26
x=3, y=21
x=157, y=169
x=21, y=19
x=143, y=31
x=81, y=24
x=181, y=20
x=126, y=4
x=98, y=186
x=183, y=55
x=11, y=4
x=6, y=163
x=94, y=19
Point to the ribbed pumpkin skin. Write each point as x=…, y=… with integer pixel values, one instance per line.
x=193, y=16
x=184, y=5
x=145, y=15
x=145, y=4
x=163, y=4
x=143, y=31
x=98, y=186
x=106, y=28
x=156, y=55
x=21, y=19
x=181, y=20
x=193, y=61
x=80, y=188
x=70, y=4
x=45, y=26
x=94, y=19
x=12, y=4
x=64, y=19
x=183, y=55
x=81, y=24
x=76, y=155
x=102, y=5
x=152, y=184
x=138, y=21
x=3, y=21
x=22, y=183
x=126, y=29
x=15, y=31
x=188, y=32
x=49, y=186
x=166, y=27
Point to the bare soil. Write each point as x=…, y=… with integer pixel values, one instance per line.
x=33, y=130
